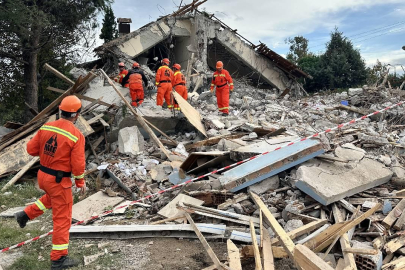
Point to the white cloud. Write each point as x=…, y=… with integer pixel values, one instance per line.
x=275, y=20
x=393, y=57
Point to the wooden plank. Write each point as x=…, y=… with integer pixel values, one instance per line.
x=344, y=240
x=308, y=260
x=32, y=110
x=323, y=240
x=170, y=209
x=21, y=173
x=139, y=118
x=214, y=140
x=261, y=226
x=394, y=245
x=302, y=230
x=390, y=219
x=233, y=256
x=394, y=265
x=363, y=251
x=84, y=126
x=104, y=123
x=57, y=90
x=95, y=119
x=205, y=244
x=399, y=225
x=258, y=260
x=238, y=198
x=58, y=74
x=267, y=253
x=91, y=105
x=192, y=114
x=286, y=241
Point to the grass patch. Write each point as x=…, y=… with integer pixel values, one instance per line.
x=21, y=194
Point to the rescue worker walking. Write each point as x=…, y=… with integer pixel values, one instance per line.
x=179, y=84
x=223, y=82
x=122, y=74
x=60, y=147
x=135, y=77
x=164, y=78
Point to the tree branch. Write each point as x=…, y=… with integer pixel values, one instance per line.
x=13, y=57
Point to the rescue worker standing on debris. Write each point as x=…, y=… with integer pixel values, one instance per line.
x=164, y=78
x=60, y=147
x=223, y=82
x=179, y=84
x=123, y=73
x=135, y=77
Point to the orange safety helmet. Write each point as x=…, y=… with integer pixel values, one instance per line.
x=135, y=65
x=176, y=66
x=70, y=106
x=220, y=64
x=166, y=61
x=121, y=64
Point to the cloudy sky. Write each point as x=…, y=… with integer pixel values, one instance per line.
x=376, y=27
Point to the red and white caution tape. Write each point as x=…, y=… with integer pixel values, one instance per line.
x=207, y=174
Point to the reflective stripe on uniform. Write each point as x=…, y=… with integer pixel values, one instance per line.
x=61, y=132
x=170, y=106
x=60, y=247
x=231, y=84
x=78, y=176
x=224, y=108
x=221, y=75
x=177, y=72
x=40, y=205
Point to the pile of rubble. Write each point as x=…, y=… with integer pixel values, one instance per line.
x=295, y=201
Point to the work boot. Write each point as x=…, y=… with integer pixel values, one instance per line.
x=64, y=263
x=21, y=218
x=224, y=114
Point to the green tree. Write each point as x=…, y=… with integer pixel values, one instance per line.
x=298, y=48
x=109, y=30
x=31, y=28
x=342, y=64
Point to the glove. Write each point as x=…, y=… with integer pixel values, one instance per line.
x=79, y=183
x=212, y=90
x=231, y=88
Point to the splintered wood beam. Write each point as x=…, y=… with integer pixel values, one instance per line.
x=233, y=256
x=258, y=260
x=139, y=118
x=390, y=219
x=205, y=244
x=308, y=260
x=21, y=173
x=286, y=241
x=58, y=74
x=267, y=252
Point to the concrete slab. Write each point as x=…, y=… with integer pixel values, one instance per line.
x=170, y=210
x=130, y=141
x=94, y=205
x=350, y=152
x=270, y=183
x=329, y=182
x=254, y=149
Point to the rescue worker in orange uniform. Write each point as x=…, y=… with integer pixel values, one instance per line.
x=60, y=147
x=123, y=73
x=164, y=78
x=179, y=84
x=135, y=77
x=223, y=82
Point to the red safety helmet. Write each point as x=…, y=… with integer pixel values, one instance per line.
x=176, y=67
x=70, y=106
x=121, y=64
x=166, y=61
x=220, y=64
x=135, y=65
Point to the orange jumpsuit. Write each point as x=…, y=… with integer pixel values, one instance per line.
x=121, y=76
x=179, y=84
x=60, y=146
x=164, y=78
x=135, y=78
x=223, y=81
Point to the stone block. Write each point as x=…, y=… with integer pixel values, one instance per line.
x=271, y=183
x=330, y=182
x=355, y=91
x=130, y=141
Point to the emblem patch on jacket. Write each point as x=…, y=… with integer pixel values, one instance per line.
x=51, y=145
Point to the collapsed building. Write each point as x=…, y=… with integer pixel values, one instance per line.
x=199, y=39
x=282, y=169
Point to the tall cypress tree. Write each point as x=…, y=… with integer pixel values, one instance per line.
x=109, y=30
